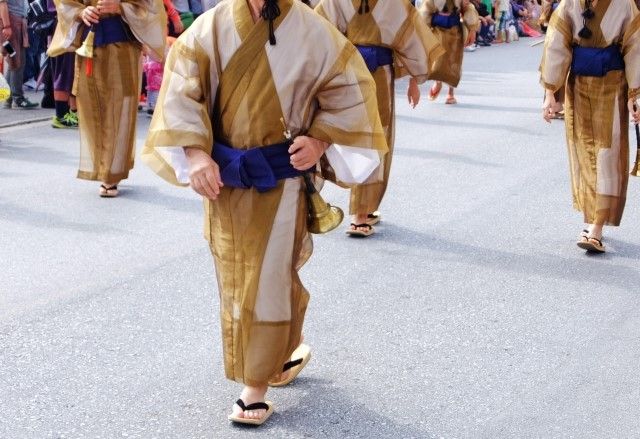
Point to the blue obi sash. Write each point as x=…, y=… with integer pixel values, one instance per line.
x=593, y=61
x=375, y=56
x=110, y=30
x=445, y=21
x=555, y=6
x=260, y=167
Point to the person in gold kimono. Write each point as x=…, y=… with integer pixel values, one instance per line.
x=242, y=121
x=107, y=84
x=548, y=7
x=393, y=41
x=594, y=48
x=455, y=23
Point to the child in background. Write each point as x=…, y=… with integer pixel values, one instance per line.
x=503, y=17
x=153, y=71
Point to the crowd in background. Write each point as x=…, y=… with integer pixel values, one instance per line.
x=503, y=21
x=31, y=26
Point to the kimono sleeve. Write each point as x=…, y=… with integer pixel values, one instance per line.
x=148, y=22
x=331, y=11
x=347, y=117
x=415, y=46
x=426, y=11
x=557, y=54
x=182, y=117
x=631, y=52
x=68, y=32
x=471, y=18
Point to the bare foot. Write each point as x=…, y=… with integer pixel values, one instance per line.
x=360, y=226
x=595, y=231
x=249, y=396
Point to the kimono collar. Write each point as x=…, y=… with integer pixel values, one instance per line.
x=244, y=20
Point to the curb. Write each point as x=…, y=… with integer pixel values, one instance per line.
x=25, y=122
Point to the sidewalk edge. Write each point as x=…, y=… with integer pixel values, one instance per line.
x=25, y=122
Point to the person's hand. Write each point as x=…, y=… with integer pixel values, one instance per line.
x=634, y=110
x=178, y=27
x=548, y=107
x=109, y=6
x=306, y=152
x=7, y=32
x=413, y=93
x=204, y=173
x=90, y=15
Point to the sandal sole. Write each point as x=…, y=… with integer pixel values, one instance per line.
x=590, y=247
x=295, y=371
x=260, y=421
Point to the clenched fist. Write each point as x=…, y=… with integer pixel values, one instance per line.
x=306, y=152
x=204, y=173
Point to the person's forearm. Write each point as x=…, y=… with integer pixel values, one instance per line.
x=4, y=14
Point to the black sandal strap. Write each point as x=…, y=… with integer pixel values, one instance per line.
x=372, y=216
x=357, y=226
x=255, y=406
x=289, y=364
x=112, y=188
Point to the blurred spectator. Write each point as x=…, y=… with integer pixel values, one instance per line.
x=13, y=14
x=154, y=70
x=210, y=4
x=503, y=19
x=486, y=34
x=174, y=23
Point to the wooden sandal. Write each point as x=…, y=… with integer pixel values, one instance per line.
x=267, y=405
x=355, y=230
x=374, y=218
x=592, y=244
x=108, y=191
x=302, y=355
x=451, y=100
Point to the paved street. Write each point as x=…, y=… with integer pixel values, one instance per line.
x=470, y=314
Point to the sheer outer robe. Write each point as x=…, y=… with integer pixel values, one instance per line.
x=260, y=240
x=596, y=115
x=449, y=67
x=546, y=11
x=394, y=24
x=108, y=99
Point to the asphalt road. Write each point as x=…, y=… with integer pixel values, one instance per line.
x=470, y=314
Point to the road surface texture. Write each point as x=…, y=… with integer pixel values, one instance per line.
x=470, y=314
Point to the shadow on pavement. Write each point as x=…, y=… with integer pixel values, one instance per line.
x=576, y=270
x=437, y=155
x=326, y=411
x=151, y=195
x=36, y=154
x=439, y=123
x=13, y=213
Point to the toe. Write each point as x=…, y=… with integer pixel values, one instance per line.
x=237, y=411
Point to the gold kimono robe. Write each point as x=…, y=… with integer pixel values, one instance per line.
x=545, y=14
x=448, y=68
x=394, y=24
x=108, y=98
x=596, y=114
x=223, y=80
